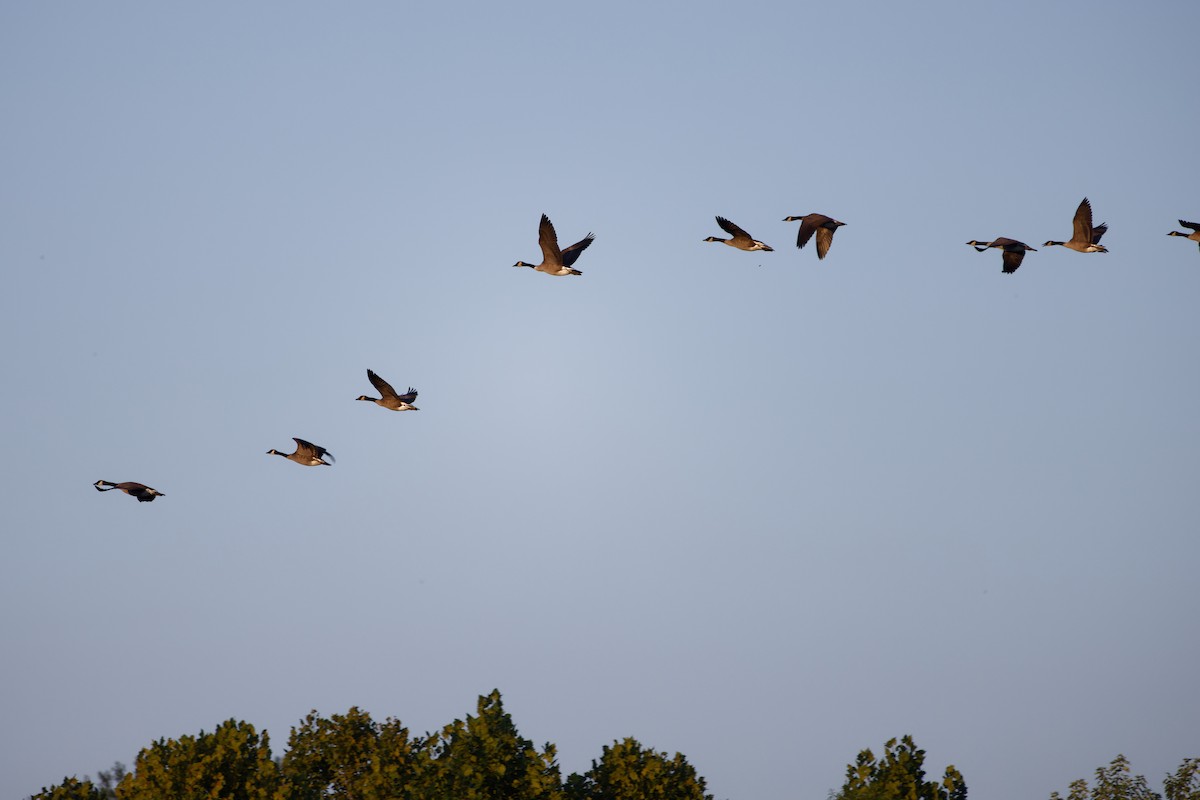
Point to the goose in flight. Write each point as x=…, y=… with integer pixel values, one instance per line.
x=1084, y=237
x=141, y=491
x=1194, y=235
x=554, y=260
x=307, y=454
x=741, y=240
x=390, y=399
x=1014, y=251
x=824, y=227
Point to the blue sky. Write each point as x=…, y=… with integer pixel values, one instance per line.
x=759, y=509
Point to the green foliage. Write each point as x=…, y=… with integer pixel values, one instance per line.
x=231, y=763
x=1117, y=782
x=1114, y=782
x=1185, y=783
x=627, y=771
x=349, y=756
x=71, y=789
x=352, y=757
x=484, y=758
x=898, y=776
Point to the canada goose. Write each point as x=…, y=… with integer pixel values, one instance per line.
x=307, y=454
x=141, y=491
x=824, y=227
x=741, y=240
x=555, y=261
x=1084, y=238
x=1194, y=235
x=396, y=402
x=1014, y=251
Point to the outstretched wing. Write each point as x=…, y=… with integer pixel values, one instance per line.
x=1193, y=225
x=381, y=385
x=1099, y=231
x=732, y=229
x=824, y=239
x=1082, y=224
x=571, y=254
x=304, y=448
x=1012, y=260
x=808, y=226
x=409, y=397
x=548, y=240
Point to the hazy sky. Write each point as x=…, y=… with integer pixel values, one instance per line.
x=759, y=509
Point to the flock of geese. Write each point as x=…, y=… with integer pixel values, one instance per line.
x=306, y=453
x=1085, y=238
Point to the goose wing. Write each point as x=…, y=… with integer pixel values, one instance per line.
x=733, y=230
x=825, y=238
x=1012, y=260
x=548, y=239
x=382, y=386
x=304, y=448
x=408, y=397
x=1193, y=225
x=1081, y=230
x=815, y=223
x=1014, y=253
x=1099, y=231
x=572, y=253
x=809, y=224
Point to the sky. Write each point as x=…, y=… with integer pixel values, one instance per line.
x=756, y=508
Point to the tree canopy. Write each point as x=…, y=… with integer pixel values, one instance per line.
x=349, y=755
x=353, y=757
x=231, y=763
x=627, y=771
x=484, y=757
x=899, y=775
x=1117, y=782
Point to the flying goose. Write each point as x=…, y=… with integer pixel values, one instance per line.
x=741, y=240
x=1084, y=238
x=824, y=227
x=396, y=402
x=1014, y=251
x=555, y=261
x=307, y=454
x=1194, y=235
x=141, y=491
